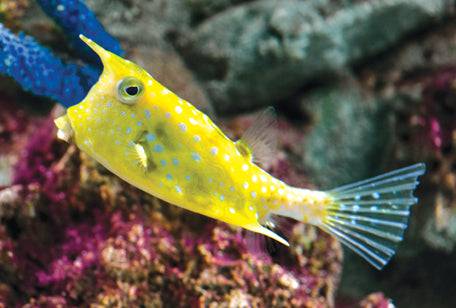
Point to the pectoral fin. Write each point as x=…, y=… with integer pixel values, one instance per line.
x=65, y=132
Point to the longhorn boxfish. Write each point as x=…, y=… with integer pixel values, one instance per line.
x=158, y=142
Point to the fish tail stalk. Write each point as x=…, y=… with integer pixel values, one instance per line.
x=369, y=216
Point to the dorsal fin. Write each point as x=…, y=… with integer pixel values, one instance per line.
x=260, y=139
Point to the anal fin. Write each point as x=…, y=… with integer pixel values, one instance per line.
x=265, y=231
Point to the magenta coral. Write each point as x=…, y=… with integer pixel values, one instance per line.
x=440, y=109
x=13, y=122
x=376, y=300
x=92, y=239
x=39, y=154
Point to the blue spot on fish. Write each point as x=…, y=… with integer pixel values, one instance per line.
x=158, y=148
x=175, y=161
x=187, y=177
x=182, y=127
x=163, y=162
x=128, y=130
x=169, y=176
x=147, y=114
x=196, y=156
x=150, y=137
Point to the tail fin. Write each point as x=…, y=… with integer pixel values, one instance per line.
x=370, y=216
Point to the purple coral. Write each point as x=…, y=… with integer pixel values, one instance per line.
x=13, y=121
x=376, y=300
x=34, y=165
x=95, y=240
x=440, y=109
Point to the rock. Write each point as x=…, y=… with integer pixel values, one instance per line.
x=440, y=231
x=260, y=52
x=12, y=10
x=201, y=9
x=165, y=65
x=147, y=22
x=350, y=136
x=418, y=77
x=145, y=38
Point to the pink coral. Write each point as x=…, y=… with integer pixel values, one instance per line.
x=376, y=300
x=93, y=239
x=38, y=161
x=440, y=108
x=13, y=122
x=8, y=267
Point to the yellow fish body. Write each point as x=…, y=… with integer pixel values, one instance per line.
x=160, y=143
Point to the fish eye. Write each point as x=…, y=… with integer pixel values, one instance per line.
x=129, y=90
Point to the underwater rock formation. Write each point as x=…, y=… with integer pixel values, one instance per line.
x=160, y=20
x=415, y=82
x=438, y=115
x=12, y=10
x=263, y=51
x=350, y=136
x=201, y=9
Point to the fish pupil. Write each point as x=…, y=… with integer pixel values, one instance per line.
x=132, y=91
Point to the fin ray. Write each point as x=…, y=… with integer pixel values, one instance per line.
x=417, y=167
x=358, y=248
x=261, y=136
x=370, y=230
x=370, y=216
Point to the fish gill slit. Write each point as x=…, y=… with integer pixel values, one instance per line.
x=162, y=135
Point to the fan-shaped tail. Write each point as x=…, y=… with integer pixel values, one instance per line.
x=370, y=216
